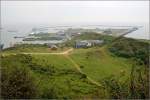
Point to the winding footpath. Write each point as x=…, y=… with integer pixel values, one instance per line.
x=33, y=53
x=79, y=69
x=65, y=54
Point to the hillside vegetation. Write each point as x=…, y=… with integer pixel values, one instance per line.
x=129, y=48
x=50, y=79
x=98, y=63
x=138, y=52
x=120, y=67
x=33, y=48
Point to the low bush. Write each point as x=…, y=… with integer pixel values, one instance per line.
x=17, y=83
x=130, y=48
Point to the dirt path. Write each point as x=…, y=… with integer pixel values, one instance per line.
x=65, y=54
x=58, y=53
x=79, y=69
x=33, y=53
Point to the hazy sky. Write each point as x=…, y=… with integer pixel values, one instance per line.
x=60, y=12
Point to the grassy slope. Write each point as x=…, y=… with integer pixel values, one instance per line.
x=65, y=82
x=58, y=61
x=98, y=63
x=66, y=78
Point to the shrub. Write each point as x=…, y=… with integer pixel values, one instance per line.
x=136, y=87
x=130, y=48
x=115, y=89
x=83, y=76
x=50, y=93
x=81, y=66
x=17, y=84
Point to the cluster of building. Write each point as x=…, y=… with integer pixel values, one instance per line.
x=88, y=43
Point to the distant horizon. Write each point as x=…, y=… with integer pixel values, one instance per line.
x=72, y=24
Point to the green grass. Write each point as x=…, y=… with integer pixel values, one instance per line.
x=58, y=77
x=66, y=78
x=58, y=61
x=65, y=85
x=64, y=82
x=31, y=48
x=98, y=63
